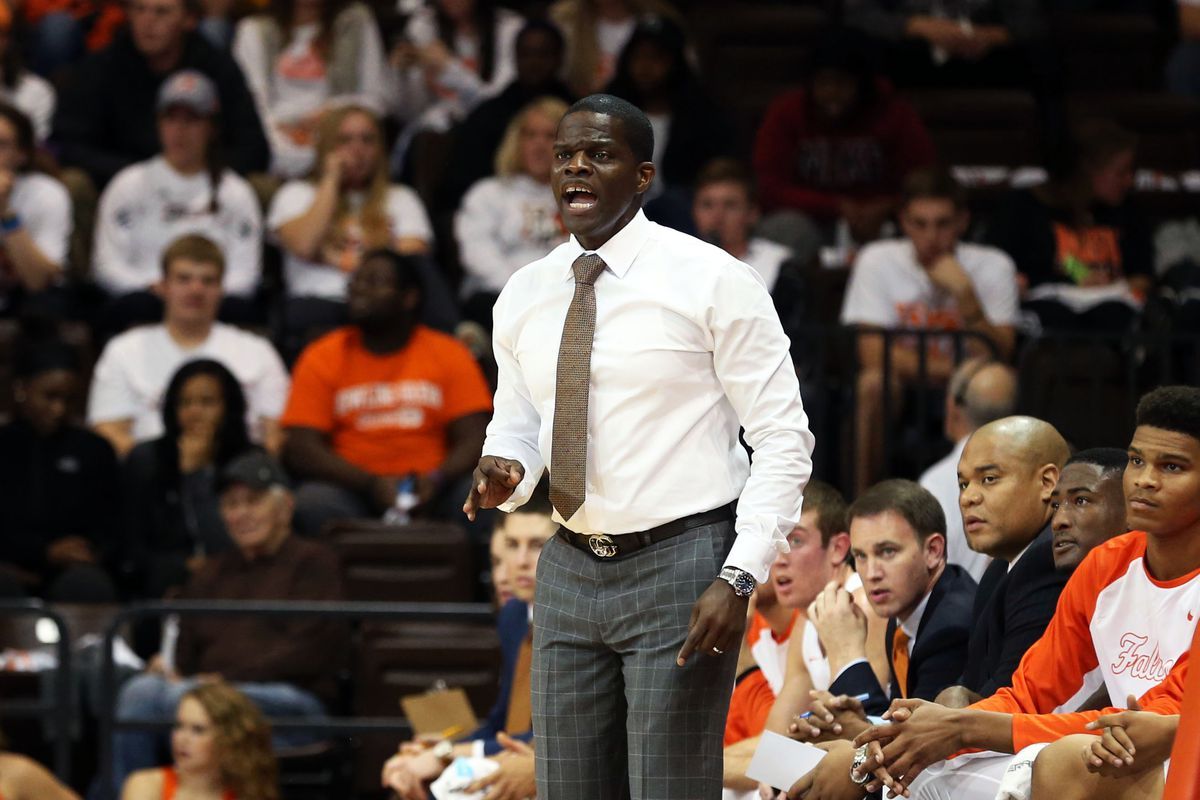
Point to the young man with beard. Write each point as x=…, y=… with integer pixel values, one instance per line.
x=667, y=346
x=381, y=401
x=1125, y=621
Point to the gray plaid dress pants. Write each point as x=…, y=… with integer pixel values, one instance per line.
x=614, y=717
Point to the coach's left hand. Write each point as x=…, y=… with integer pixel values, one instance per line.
x=718, y=619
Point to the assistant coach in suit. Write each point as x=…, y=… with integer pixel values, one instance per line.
x=898, y=540
x=666, y=346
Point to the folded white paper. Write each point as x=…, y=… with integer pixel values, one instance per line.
x=780, y=761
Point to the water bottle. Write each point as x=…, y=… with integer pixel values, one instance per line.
x=406, y=500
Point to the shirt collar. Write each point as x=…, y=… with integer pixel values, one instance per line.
x=912, y=625
x=621, y=249
x=1025, y=550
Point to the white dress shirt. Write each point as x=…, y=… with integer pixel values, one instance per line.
x=687, y=348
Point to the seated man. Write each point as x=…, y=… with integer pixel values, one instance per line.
x=725, y=214
x=1088, y=503
x=1006, y=477
x=928, y=280
x=980, y=391
x=522, y=534
x=285, y=665
x=818, y=561
x=898, y=542
x=382, y=401
x=1124, y=621
x=135, y=368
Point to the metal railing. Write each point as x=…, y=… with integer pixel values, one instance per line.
x=354, y=611
x=59, y=708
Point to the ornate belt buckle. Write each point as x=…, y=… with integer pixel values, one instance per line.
x=602, y=545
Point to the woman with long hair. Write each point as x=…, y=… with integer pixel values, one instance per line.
x=220, y=750
x=511, y=219
x=349, y=207
x=653, y=73
x=184, y=189
x=35, y=216
x=173, y=520
x=304, y=57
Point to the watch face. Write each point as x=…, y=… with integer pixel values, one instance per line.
x=744, y=583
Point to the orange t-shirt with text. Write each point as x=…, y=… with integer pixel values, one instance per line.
x=386, y=414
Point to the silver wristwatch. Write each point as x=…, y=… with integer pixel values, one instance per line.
x=860, y=758
x=743, y=582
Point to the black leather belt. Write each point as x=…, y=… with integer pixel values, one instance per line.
x=615, y=546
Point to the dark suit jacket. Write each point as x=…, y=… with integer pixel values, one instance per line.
x=512, y=625
x=938, y=654
x=1012, y=610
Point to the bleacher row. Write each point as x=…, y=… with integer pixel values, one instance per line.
x=422, y=563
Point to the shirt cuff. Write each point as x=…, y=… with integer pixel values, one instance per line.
x=853, y=663
x=756, y=547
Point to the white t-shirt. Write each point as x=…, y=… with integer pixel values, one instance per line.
x=44, y=207
x=297, y=85
x=305, y=278
x=611, y=37
x=889, y=289
x=135, y=368
x=767, y=258
x=35, y=97
x=941, y=480
x=149, y=205
x=502, y=225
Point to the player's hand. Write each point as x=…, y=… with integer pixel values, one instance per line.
x=718, y=619
x=830, y=779
x=920, y=733
x=515, y=780
x=1131, y=741
x=494, y=481
x=829, y=718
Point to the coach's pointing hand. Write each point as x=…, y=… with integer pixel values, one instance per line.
x=494, y=481
x=718, y=619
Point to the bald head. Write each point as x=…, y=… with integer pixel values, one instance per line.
x=980, y=391
x=1031, y=441
x=1006, y=476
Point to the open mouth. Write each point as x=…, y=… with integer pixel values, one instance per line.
x=1063, y=543
x=579, y=198
x=782, y=583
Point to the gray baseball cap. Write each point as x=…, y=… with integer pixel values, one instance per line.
x=255, y=469
x=190, y=89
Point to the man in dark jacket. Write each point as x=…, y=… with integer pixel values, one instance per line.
x=106, y=119
x=1006, y=476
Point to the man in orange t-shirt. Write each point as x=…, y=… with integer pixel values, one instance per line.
x=382, y=402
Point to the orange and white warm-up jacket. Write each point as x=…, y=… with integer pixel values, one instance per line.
x=1115, y=625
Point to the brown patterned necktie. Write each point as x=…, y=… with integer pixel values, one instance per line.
x=568, y=449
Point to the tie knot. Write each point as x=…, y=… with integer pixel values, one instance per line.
x=587, y=268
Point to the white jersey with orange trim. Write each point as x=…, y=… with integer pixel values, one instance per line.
x=770, y=653
x=1115, y=624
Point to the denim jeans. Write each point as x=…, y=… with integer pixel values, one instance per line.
x=149, y=696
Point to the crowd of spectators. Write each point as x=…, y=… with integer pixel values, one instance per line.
x=224, y=256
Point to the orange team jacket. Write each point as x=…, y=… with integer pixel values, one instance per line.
x=1114, y=625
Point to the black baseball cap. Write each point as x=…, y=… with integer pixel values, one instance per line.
x=255, y=469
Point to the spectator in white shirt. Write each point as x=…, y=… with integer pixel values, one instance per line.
x=980, y=391
x=510, y=220
x=131, y=377
x=29, y=92
x=303, y=57
x=596, y=32
x=185, y=189
x=928, y=280
x=325, y=224
x=35, y=216
x=725, y=213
